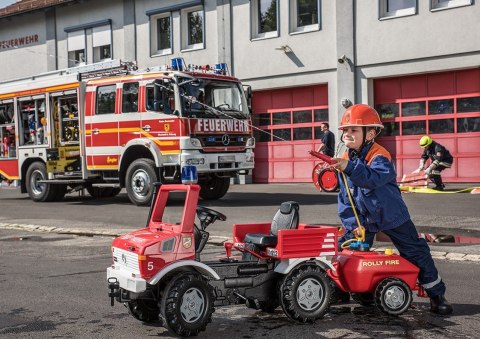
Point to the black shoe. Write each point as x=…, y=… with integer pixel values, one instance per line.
x=440, y=305
x=439, y=188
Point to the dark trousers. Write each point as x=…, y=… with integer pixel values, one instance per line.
x=414, y=249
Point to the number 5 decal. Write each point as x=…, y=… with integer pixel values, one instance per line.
x=150, y=265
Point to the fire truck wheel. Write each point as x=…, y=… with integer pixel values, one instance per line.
x=187, y=305
x=214, y=188
x=328, y=180
x=139, y=181
x=145, y=310
x=306, y=293
x=61, y=191
x=103, y=192
x=364, y=299
x=393, y=296
x=39, y=191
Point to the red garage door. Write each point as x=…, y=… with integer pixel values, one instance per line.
x=445, y=106
x=288, y=122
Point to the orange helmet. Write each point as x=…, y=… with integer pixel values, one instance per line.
x=360, y=115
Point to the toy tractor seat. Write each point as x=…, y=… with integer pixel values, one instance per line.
x=287, y=217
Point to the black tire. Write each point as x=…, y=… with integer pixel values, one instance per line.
x=61, y=191
x=214, y=188
x=139, y=181
x=145, y=310
x=306, y=293
x=364, y=299
x=115, y=191
x=328, y=180
x=39, y=192
x=187, y=305
x=393, y=296
x=102, y=192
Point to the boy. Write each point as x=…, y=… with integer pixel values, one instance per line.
x=371, y=178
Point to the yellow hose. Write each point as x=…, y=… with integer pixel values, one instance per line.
x=360, y=227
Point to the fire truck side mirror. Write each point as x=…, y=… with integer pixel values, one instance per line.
x=248, y=95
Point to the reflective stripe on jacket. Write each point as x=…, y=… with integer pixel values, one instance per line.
x=372, y=180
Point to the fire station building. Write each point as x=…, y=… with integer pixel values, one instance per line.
x=417, y=62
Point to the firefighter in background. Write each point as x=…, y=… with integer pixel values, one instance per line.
x=328, y=140
x=372, y=183
x=441, y=159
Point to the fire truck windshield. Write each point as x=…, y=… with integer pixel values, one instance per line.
x=212, y=98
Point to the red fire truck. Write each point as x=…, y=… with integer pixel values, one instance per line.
x=108, y=126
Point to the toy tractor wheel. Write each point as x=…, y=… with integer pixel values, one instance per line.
x=306, y=293
x=187, y=305
x=328, y=180
x=145, y=310
x=393, y=296
x=364, y=299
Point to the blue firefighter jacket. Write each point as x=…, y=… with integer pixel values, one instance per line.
x=371, y=178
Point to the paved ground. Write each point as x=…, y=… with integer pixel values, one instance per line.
x=456, y=216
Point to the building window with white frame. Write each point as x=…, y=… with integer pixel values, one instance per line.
x=397, y=8
x=76, y=48
x=264, y=14
x=193, y=27
x=304, y=15
x=161, y=28
x=446, y=4
x=102, y=43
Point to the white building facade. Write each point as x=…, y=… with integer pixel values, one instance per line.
x=417, y=62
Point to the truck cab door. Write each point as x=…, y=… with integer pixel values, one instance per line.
x=103, y=150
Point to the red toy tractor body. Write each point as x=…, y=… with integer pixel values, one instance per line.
x=157, y=272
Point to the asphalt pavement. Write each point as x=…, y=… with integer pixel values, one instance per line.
x=450, y=221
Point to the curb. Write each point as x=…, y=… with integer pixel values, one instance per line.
x=213, y=240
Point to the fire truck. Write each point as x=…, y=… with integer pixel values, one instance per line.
x=108, y=126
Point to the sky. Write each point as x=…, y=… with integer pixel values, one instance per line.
x=5, y=3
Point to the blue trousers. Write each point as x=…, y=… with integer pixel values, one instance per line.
x=414, y=249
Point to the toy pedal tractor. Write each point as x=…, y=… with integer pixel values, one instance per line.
x=157, y=272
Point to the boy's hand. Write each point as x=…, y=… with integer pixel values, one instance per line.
x=339, y=163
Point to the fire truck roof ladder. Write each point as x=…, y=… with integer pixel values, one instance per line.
x=99, y=69
x=103, y=69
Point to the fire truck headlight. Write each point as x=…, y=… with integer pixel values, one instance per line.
x=198, y=161
x=250, y=142
x=195, y=142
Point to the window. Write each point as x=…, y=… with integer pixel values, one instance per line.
x=161, y=27
x=396, y=8
x=264, y=14
x=436, y=5
x=76, y=48
x=106, y=99
x=465, y=105
x=130, y=97
x=91, y=42
x=440, y=106
x=102, y=41
x=304, y=15
x=441, y=126
x=193, y=28
x=410, y=109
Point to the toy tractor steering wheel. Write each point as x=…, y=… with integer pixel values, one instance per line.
x=208, y=216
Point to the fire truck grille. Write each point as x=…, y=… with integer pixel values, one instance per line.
x=224, y=140
x=126, y=259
